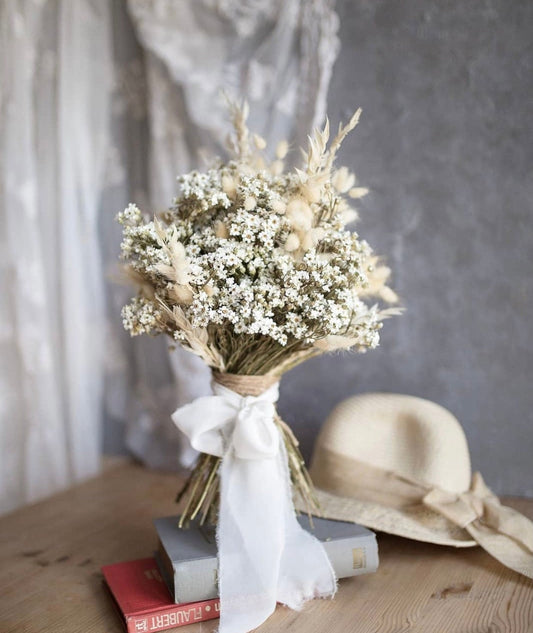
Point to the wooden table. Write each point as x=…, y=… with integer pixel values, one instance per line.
x=52, y=551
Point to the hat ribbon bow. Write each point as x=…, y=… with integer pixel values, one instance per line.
x=502, y=531
x=264, y=555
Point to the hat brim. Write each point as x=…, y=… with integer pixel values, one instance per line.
x=416, y=522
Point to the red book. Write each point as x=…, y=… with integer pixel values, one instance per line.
x=144, y=602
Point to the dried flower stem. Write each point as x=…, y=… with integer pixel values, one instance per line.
x=202, y=487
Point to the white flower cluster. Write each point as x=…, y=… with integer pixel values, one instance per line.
x=256, y=253
x=141, y=316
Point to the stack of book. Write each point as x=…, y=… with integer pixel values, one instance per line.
x=179, y=584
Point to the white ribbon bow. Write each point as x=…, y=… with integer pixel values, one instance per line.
x=264, y=555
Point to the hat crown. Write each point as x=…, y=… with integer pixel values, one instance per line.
x=411, y=437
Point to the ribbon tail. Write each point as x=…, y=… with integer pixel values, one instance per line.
x=305, y=570
x=264, y=555
x=250, y=541
x=507, y=535
x=502, y=531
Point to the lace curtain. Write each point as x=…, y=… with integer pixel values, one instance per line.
x=101, y=104
x=54, y=127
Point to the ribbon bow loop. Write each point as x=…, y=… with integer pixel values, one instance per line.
x=478, y=503
x=228, y=421
x=460, y=509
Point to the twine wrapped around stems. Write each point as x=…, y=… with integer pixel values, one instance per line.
x=245, y=385
x=200, y=493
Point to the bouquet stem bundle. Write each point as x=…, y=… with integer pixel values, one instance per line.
x=201, y=489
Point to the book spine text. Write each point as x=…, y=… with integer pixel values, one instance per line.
x=180, y=615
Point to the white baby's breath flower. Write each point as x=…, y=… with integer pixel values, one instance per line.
x=131, y=216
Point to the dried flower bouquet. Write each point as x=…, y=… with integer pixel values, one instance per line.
x=253, y=270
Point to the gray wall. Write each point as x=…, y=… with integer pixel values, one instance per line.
x=445, y=144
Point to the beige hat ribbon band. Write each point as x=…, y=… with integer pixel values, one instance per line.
x=503, y=532
x=351, y=478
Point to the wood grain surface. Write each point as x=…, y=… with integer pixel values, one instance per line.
x=52, y=551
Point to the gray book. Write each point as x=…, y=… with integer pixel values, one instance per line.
x=188, y=558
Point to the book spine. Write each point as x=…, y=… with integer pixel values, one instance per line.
x=180, y=615
x=197, y=580
x=166, y=568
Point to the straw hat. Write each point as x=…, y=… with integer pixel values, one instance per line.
x=401, y=465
